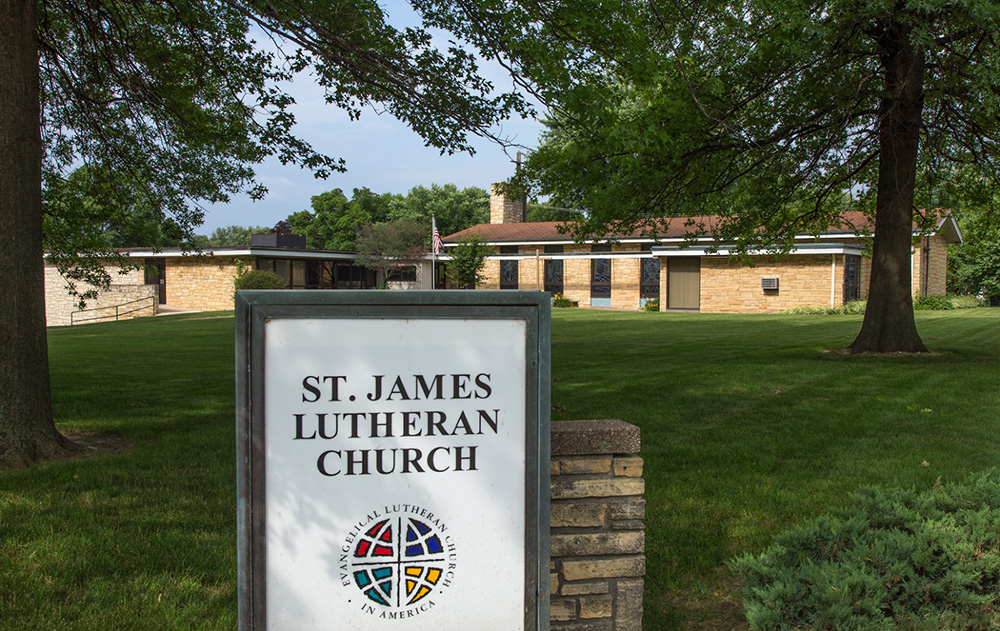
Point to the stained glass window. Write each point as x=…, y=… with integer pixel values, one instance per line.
x=649, y=280
x=554, y=277
x=508, y=274
x=600, y=273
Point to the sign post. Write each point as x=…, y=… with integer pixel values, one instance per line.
x=393, y=460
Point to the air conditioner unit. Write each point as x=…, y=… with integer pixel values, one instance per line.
x=769, y=282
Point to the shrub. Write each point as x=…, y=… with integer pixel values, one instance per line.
x=932, y=303
x=258, y=279
x=854, y=307
x=893, y=560
x=808, y=311
x=653, y=304
x=560, y=301
x=965, y=302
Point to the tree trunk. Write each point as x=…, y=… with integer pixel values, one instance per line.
x=27, y=430
x=889, y=326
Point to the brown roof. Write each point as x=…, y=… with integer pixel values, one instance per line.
x=849, y=223
x=550, y=230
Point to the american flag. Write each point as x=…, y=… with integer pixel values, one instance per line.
x=438, y=244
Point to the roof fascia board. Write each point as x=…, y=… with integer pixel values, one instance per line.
x=265, y=252
x=833, y=248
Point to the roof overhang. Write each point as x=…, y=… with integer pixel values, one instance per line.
x=948, y=228
x=283, y=253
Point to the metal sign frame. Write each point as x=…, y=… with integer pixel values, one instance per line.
x=255, y=308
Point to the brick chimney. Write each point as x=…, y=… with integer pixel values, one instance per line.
x=507, y=208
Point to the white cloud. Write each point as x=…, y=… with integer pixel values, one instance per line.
x=382, y=153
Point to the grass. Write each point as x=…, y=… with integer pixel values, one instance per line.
x=749, y=424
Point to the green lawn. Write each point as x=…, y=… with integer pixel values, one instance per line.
x=749, y=424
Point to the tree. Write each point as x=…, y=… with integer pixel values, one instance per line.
x=467, y=261
x=453, y=209
x=542, y=212
x=177, y=101
x=232, y=236
x=763, y=112
x=974, y=265
x=333, y=222
x=377, y=206
x=391, y=246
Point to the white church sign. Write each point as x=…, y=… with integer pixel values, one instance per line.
x=393, y=460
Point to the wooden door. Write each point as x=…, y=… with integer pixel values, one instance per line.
x=684, y=283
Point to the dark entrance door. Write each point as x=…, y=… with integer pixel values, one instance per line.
x=156, y=274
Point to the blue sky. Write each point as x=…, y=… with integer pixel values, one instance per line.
x=381, y=153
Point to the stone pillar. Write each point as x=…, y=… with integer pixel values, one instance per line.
x=506, y=208
x=598, y=534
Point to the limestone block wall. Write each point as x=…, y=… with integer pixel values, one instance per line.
x=598, y=534
x=531, y=271
x=127, y=287
x=625, y=279
x=576, y=275
x=803, y=281
x=504, y=209
x=200, y=283
x=491, y=273
x=866, y=277
x=936, y=269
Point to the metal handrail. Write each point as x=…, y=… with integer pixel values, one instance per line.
x=117, y=308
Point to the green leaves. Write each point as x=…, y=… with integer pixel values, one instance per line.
x=392, y=245
x=178, y=101
x=468, y=259
x=765, y=112
x=335, y=221
x=895, y=559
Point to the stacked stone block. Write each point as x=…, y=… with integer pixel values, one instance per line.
x=531, y=271
x=625, y=278
x=935, y=268
x=809, y=280
x=201, y=283
x=125, y=288
x=598, y=535
x=576, y=275
x=507, y=208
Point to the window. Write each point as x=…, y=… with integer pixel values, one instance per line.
x=298, y=271
x=441, y=276
x=350, y=276
x=406, y=274
x=508, y=268
x=600, y=278
x=508, y=274
x=554, y=271
x=318, y=274
x=649, y=279
x=852, y=277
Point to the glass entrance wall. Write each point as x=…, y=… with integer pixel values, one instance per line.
x=319, y=273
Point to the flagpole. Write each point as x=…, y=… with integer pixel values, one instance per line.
x=434, y=238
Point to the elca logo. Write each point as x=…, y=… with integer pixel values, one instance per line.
x=399, y=557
